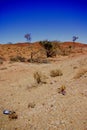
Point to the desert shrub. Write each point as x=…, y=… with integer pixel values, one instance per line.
x=65, y=52
x=49, y=47
x=13, y=59
x=32, y=86
x=1, y=60
x=22, y=59
x=31, y=105
x=29, y=60
x=43, y=61
x=55, y=73
x=38, y=60
x=4, y=68
x=80, y=73
x=17, y=59
x=39, y=78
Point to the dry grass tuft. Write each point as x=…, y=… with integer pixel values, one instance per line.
x=39, y=78
x=31, y=105
x=1, y=60
x=17, y=59
x=80, y=73
x=32, y=86
x=4, y=68
x=55, y=73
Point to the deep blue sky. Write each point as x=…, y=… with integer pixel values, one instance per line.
x=44, y=19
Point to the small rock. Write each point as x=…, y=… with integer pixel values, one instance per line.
x=13, y=115
x=7, y=112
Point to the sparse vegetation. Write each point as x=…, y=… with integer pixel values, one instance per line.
x=4, y=68
x=55, y=73
x=34, y=100
x=75, y=67
x=1, y=60
x=31, y=105
x=38, y=60
x=39, y=78
x=80, y=73
x=22, y=59
x=14, y=59
x=17, y=59
x=49, y=47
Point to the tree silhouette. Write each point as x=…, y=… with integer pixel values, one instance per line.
x=28, y=36
x=74, y=38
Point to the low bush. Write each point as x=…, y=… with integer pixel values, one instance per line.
x=31, y=105
x=17, y=59
x=49, y=47
x=39, y=78
x=80, y=73
x=14, y=59
x=55, y=73
x=1, y=60
x=37, y=60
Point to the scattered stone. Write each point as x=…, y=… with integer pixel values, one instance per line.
x=13, y=115
x=7, y=112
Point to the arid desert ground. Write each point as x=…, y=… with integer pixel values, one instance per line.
x=40, y=105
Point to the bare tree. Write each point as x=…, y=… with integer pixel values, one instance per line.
x=74, y=38
x=28, y=36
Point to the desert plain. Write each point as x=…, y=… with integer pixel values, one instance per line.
x=40, y=105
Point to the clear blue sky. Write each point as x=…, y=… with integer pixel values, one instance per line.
x=44, y=19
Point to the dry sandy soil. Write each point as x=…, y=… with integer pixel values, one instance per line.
x=40, y=106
